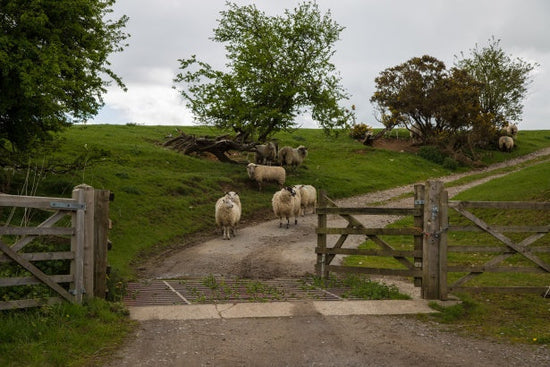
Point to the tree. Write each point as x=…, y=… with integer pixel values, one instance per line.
x=407, y=95
x=278, y=68
x=53, y=58
x=504, y=81
x=438, y=106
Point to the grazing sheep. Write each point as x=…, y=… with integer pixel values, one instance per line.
x=308, y=197
x=266, y=153
x=505, y=143
x=284, y=204
x=512, y=130
x=262, y=174
x=227, y=214
x=289, y=156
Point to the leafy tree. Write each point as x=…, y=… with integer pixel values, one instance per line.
x=279, y=67
x=437, y=105
x=53, y=58
x=504, y=81
x=407, y=95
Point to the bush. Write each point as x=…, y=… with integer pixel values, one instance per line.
x=431, y=153
x=450, y=163
x=359, y=131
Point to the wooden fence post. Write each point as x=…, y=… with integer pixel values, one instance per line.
x=322, y=237
x=88, y=250
x=431, y=267
x=101, y=226
x=77, y=245
x=419, y=223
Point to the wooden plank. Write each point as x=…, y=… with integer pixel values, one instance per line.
x=404, y=261
x=368, y=252
x=26, y=303
x=101, y=229
x=372, y=231
x=41, y=256
x=377, y=271
x=530, y=205
x=37, y=231
x=494, y=249
x=321, y=237
x=36, y=272
x=443, y=224
x=501, y=229
x=419, y=196
x=522, y=250
x=511, y=290
x=494, y=269
x=16, y=281
x=56, y=217
x=368, y=211
x=89, y=242
x=431, y=244
x=77, y=246
x=36, y=202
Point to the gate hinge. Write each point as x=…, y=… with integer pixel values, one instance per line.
x=70, y=206
x=418, y=202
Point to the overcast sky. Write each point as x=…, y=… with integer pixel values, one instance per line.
x=378, y=34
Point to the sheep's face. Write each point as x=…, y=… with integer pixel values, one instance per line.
x=302, y=150
x=291, y=191
x=250, y=169
x=227, y=202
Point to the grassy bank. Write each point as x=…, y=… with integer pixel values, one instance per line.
x=163, y=197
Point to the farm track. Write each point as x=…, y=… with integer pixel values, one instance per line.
x=264, y=250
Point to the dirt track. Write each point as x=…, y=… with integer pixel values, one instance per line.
x=307, y=339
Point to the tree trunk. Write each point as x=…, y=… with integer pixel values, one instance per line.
x=218, y=146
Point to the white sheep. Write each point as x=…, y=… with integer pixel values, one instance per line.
x=261, y=174
x=512, y=130
x=308, y=197
x=505, y=143
x=284, y=204
x=266, y=153
x=289, y=156
x=234, y=196
x=227, y=214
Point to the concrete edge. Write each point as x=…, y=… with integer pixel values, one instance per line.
x=279, y=309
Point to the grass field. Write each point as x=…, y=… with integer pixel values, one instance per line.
x=163, y=197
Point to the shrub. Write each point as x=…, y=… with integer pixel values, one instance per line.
x=431, y=153
x=450, y=163
x=359, y=131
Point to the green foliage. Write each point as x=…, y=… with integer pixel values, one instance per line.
x=253, y=99
x=431, y=153
x=504, y=81
x=53, y=56
x=63, y=334
x=359, y=131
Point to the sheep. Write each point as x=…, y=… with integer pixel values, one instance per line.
x=286, y=204
x=260, y=174
x=227, y=214
x=266, y=153
x=505, y=143
x=308, y=197
x=289, y=156
x=234, y=196
x=512, y=130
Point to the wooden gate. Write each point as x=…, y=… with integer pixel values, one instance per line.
x=430, y=265
x=326, y=254
x=82, y=220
